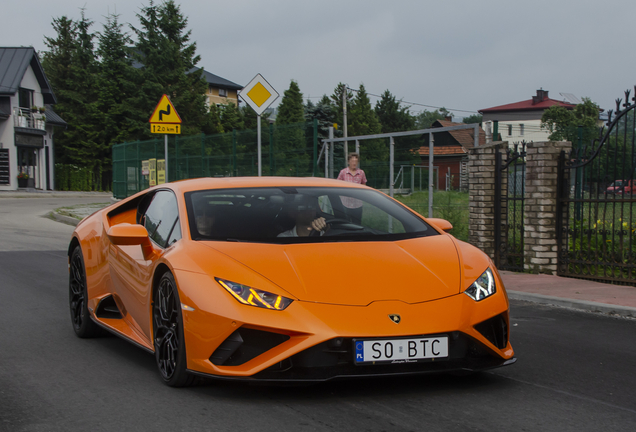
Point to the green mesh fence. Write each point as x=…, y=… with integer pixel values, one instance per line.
x=289, y=150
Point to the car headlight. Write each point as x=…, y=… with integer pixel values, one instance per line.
x=255, y=297
x=483, y=287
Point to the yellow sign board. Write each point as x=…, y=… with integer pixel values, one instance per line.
x=152, y=167
x=259, y=94
x=160, y=128
x=161, y=171
x=165, y=112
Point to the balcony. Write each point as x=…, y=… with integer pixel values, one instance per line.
x=27, y=119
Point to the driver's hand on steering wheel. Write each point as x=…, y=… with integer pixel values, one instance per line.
x=319, y=224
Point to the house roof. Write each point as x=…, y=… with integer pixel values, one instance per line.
x=53, y=118
x=14, y=63
x=464, y=137
x=216, y=80
x=539, y=102
x=455, y=142
x=443, y=151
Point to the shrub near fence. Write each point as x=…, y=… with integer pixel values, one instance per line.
x=73, y=178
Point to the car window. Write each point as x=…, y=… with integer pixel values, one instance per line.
x=161, y=219
x=277, y=215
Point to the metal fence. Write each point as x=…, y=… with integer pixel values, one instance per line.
x=288, y=150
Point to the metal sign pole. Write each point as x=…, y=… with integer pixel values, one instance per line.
x=165, y=154
x=329, y=155
x=258, y=128
x=391, y=156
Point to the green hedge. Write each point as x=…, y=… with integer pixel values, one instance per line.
x=73, y=178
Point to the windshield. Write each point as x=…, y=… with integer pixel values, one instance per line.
x=300, y=215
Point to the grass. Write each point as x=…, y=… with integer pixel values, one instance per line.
x=451, y=205
x=71, y=211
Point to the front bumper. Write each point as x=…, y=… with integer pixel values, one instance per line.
x=333, y=360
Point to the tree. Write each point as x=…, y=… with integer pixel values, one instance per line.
x=115, y=87
x=71, y=66
x=231, y=118
x=336, y=100
x=425, y=119
x=324, y=112
x=396, y=118
x=392, y=116
x=471, y=119
x=169, y=60
x=565, y=124
x=290, y=144
x=364, y=121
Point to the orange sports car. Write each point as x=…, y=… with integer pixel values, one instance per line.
x=285, y=279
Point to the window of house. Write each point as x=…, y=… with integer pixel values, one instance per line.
x=25, y=98
x=521, y=129
x=222, y=92
x=509, y=130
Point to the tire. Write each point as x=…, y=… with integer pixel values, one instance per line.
x=169, y=343
x=83, y=325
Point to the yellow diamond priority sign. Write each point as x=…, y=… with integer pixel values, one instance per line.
x=259, y=94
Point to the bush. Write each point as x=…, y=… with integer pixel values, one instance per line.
x=73, y=178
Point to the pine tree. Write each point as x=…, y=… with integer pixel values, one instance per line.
x=291, y=108
x=324, y=112
x=115, y=86
x=56, y=63
x=169, y=61
x=336, y=100
x=364, y=121
x=394, y=118
x=72, y=65
x=290, y=144
x=231, y=118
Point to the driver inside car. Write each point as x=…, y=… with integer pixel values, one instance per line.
x=303, y=211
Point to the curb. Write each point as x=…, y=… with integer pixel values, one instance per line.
x=64, y=219
x=13, y=194
x=583, y=305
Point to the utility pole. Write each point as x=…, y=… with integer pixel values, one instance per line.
x=344, y=122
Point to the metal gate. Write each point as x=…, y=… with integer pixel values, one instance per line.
x=509, y=201
x=596, y=202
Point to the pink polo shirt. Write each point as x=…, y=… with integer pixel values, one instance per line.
x=359, y=178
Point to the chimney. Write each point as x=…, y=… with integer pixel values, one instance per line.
x=449, y=118
x=540, y=97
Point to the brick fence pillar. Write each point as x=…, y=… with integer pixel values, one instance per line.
x=481, y=192
x=540, y=238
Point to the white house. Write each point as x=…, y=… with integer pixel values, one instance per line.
x=521, y=121
x=27, y=121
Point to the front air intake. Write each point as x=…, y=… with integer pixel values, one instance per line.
x=245, y=344
x=495, y=330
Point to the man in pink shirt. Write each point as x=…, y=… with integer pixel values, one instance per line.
x=353, y=174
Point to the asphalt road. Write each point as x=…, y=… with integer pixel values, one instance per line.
x=576, y=371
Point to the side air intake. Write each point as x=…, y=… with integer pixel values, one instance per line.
x=107, y=308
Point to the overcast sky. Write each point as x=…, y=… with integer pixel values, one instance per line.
x=462, y=55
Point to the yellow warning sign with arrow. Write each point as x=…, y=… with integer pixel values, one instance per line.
x=165, y=118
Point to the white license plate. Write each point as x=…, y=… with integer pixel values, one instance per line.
x=400, y=350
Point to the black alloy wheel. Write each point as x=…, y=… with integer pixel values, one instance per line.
x=168, y=333
x=78, y=295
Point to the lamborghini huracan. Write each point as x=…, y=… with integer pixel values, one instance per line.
x=285, y=279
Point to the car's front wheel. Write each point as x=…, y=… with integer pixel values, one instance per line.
x=169, y=343
x=78, y=297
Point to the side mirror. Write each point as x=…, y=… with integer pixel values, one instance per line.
x=125, y=234
x=442, y=224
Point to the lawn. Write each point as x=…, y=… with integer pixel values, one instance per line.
x=452, y=206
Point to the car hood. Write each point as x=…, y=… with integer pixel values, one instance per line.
x=355, y=273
